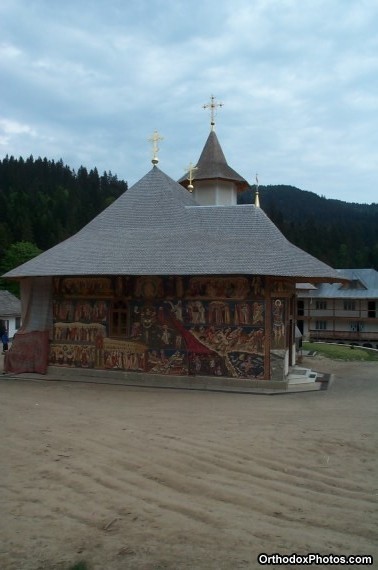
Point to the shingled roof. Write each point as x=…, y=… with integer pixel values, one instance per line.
x=10, y=306
x=361, y=284
x=156, y=228
x=212, y=165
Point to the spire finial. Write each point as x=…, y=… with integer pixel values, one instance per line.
x=213, y=107
x=191, y=168
x=257, y=199
x=154, y=139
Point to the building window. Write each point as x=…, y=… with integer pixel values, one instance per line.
x=118, y=320
x=321, y=304
x=356, y=326
x=320, y=325
x=349, y=305
x=17, y=323
x=371, y=309
x=300, y=308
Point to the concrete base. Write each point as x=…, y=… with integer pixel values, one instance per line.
x=206, y=383
x=165, y=381
x=301, y=375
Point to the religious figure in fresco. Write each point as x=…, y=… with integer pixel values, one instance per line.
x=247, y=365
x=219, y=313
x=166, y=335
x=258, y=313
x=176, y=309
x=72, y=355
x=278, y=324
x=280, y=286
x=167, y=362
x=149, y=287
x=257, y=285
x=148, y=318
x=196, y=312
x=63, y=310
x=136, y=329
x=241, y=314
x=86, y=286
x=83, y=311
x=218, y=287
x=99, y=311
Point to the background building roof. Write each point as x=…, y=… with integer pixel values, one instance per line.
x=10, y=306
x=156, y=227
x=361, y=284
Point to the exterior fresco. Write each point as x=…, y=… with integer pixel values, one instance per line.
x=212, y=326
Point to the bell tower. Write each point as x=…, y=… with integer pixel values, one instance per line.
x=212, y=181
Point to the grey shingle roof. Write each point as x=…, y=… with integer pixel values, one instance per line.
x=212, y=165
x=367, y=288
x=9, y=304
x=157, y=228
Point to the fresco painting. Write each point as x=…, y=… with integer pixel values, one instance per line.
x=83, y=311
x=84, y=286
x=123, y=355
x=173, y=362
x=278, y=323
x=72, y=355
x=164, y=325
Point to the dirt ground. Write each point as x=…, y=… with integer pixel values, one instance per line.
x=148, y=479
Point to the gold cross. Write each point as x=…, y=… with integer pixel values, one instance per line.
x=154, y=139
x=212, y=106
x=191, y=168
x=257, y=198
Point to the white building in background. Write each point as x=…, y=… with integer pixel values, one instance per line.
x=340, y=312
x=10, y=312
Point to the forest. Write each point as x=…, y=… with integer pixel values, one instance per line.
x=342, y=234
x=43, y=202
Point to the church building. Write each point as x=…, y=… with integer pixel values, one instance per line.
x=173, y=279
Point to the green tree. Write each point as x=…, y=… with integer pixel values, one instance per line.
x=17, y=254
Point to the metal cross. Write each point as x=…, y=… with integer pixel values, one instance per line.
x=257, y=198
x=191, y=168
x=213, y=107
x=154, y=139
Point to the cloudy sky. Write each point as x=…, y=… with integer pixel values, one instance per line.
x=89, y=81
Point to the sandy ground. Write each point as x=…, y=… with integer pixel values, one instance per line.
x=130, y=478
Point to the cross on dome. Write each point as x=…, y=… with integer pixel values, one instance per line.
x=257, y=198
x=154, y=139
x=191, y=168
x=213, y=107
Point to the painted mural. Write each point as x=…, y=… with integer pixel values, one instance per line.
x=164, y=325
x=278, y=324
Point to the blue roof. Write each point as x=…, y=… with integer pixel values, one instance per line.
x=363, y=284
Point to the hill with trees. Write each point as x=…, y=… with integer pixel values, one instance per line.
x=45, y=202
x=339, y=233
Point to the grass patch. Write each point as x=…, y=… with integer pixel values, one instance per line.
x=341, y=352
